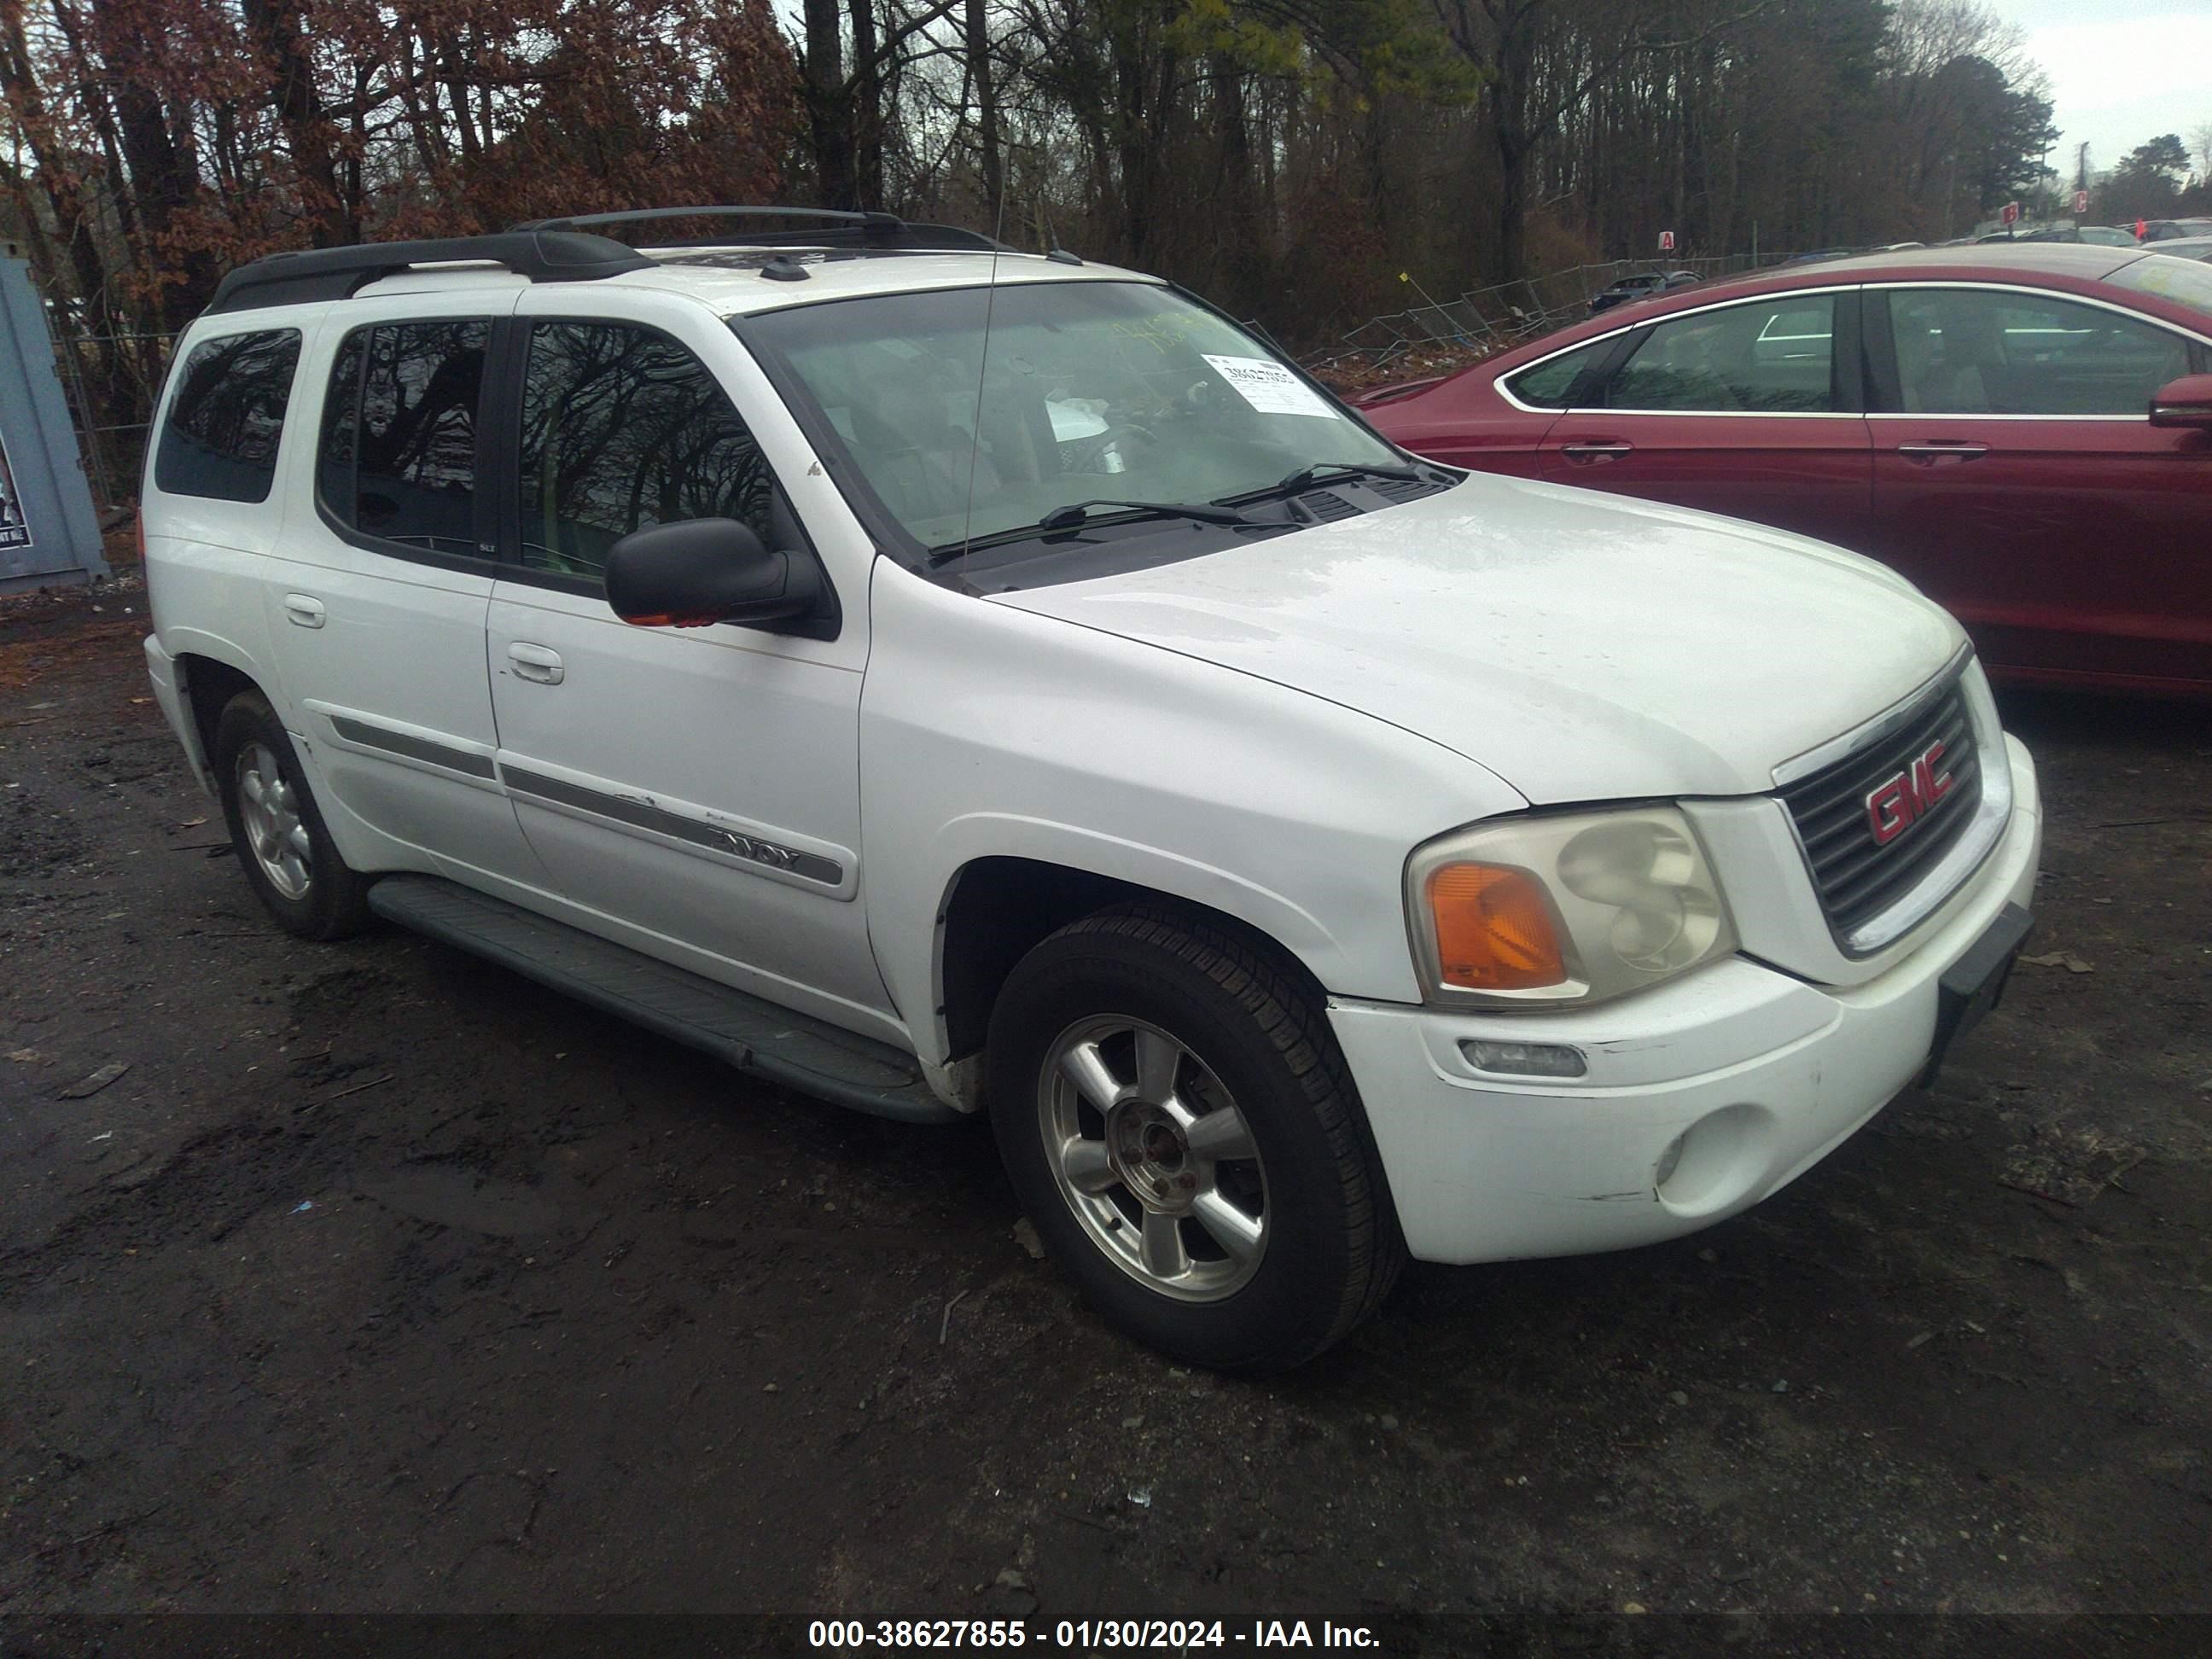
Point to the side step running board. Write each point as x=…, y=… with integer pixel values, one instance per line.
x=806, y=1054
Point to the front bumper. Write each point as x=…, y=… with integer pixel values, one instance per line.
x=1758, y=1073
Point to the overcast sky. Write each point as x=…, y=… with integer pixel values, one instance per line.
x=2122, y=71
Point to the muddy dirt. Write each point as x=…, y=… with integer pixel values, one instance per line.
x=383, y=1280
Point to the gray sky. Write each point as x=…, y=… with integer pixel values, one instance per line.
x=2122, y=71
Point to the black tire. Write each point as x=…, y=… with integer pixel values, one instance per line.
x=334, y=901
x=1332, y=1246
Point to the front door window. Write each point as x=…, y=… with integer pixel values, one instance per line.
x=623, y=428
x=1770, y=357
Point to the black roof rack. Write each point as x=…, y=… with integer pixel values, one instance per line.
x=544, y=255
x=822, y=227
x=563, y=251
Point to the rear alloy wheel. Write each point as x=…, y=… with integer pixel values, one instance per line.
x=288, y=855
x=1181, y=1129
x=269, y=812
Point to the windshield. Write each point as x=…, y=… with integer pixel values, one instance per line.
x=1090, y=390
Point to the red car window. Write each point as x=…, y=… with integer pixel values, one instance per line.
x=1987, y=351
x=2175, y=279
x=1771, y=354
x=1546, y=385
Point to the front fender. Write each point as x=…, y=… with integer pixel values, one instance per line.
x=975, y=836
x=987, y=731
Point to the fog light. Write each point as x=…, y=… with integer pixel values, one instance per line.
x=1714, y=1165
x=1525, y=1059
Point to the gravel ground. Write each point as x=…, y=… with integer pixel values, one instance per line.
x=381, y=1280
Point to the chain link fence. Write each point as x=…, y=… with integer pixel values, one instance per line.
x=1491, y=318
x=110, y=381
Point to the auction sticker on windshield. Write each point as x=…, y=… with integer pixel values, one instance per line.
x=1269, y=387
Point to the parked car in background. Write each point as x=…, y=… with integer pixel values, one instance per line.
x=2024, y=431
x=2187, y=247
x=2167, y=230
x=2098, y=235
x=1640, y=285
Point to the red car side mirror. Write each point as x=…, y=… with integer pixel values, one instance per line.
x=2185, y=402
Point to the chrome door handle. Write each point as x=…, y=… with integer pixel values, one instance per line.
x=535, y=662
x=305, y=610
x=1597, y=449
x=1965, y=452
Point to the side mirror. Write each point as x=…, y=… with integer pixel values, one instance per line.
x=707, y=570
x=2186, y=402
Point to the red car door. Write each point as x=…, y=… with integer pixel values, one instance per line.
x=2019, y=482
x=1751, y=408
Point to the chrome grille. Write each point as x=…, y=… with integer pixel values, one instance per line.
x=1856, y=876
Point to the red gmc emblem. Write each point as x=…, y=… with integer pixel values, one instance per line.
x=1894, y=806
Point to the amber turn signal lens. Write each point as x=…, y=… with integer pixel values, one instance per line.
x=1494, y=929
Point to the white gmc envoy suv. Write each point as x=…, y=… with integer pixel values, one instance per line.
x=944, y=679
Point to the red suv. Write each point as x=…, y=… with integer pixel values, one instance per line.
x=2026, y=431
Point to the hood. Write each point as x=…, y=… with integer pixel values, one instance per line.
x=1580, y=646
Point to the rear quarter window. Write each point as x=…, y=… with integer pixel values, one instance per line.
x=227, y=418
x=1548, y=385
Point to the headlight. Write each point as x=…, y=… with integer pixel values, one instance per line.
x=1574, y=909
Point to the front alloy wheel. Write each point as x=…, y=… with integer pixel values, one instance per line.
x=1181, y=1128
x=1152, y=1154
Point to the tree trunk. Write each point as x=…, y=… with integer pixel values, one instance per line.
x=1242, y=255
x=1513, y=66
x=452, y=64
x=829, y=112
x=164, y=178
x=1131, y=150
x=866, y=101
x=274, y=26
x=1140, y=122
x=57, y=177
x=1509, y=259
x=986, y=110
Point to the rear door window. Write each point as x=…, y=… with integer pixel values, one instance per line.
x=1769, y=356
x=225, y=423
x=398, y=459
x=1996, y=351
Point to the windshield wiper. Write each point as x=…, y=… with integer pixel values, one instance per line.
x=1306, y=477
x=1067, y=518
x=1076, y=513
